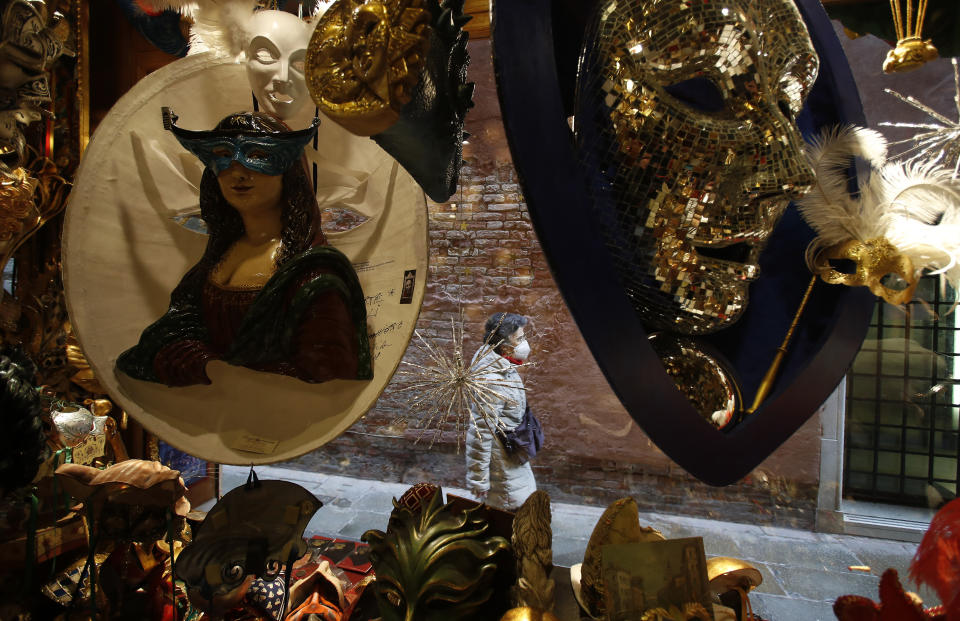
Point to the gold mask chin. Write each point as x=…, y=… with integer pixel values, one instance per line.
x=874, y=259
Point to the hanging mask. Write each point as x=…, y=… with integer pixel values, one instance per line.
x=428, y=138
x=12, y=141
x=251, y=145
x=275, y=56
x=247, y=539
x=603, y=198
x=397, y=72
x=685, y=120
x=30, y=39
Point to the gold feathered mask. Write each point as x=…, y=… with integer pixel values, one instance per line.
x=898, y=221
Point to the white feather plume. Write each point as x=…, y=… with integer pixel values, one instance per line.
x=222, y=26
x=915, y=206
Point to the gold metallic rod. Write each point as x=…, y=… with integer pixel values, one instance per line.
x=767, y=384
x=921, y=15
x=897, y=19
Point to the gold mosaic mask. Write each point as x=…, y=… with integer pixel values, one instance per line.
x=872, y=261
x=685, y=122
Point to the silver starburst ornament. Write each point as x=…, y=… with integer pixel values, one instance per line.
x=447, y=389
x=937, y=143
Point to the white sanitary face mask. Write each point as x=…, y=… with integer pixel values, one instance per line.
x=275, y=57
x=522, y=350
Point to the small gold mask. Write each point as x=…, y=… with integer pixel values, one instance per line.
x=909, y=54
x=874, y=259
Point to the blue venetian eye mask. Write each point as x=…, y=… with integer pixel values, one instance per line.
x=255, y=148
x=262, y=154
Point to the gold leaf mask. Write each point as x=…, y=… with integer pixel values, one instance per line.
x=364, y=60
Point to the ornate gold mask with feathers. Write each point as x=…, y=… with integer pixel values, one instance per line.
x=903, y=219
x=875, y=260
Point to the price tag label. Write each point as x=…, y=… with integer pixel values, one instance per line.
x=255, y=444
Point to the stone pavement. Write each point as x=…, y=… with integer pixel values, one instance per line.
x=803, y=572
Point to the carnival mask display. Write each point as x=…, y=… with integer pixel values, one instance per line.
x=31, y=41
x=274, y=58
x=685, y=116
x=397, y=72
x=434, y=565
x=175, y=225
x=394, y=70
x=248, y=538
x=428, y=138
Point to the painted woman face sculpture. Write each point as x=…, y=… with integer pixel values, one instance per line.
x=275, y=55
x=268, y=293
x=685, y=120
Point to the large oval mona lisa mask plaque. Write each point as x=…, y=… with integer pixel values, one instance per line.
x=665, y=207
x=132, y=232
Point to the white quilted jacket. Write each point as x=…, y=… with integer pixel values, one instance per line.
x=489, y=467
